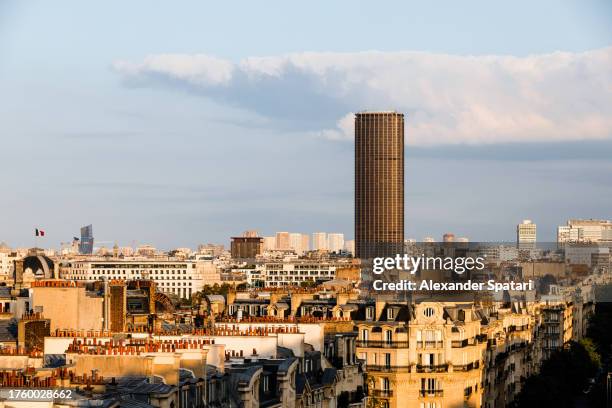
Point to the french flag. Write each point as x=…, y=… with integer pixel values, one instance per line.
x=40, y=233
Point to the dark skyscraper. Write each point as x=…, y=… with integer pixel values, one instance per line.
x=87, y=240
x=379, y=184
x=246, y=247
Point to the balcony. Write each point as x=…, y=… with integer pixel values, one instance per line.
x=441, y=368
x=430, y=344
x=431, y=393
x=381, y=344
x=382, y=393
x=466, y=367
x=463, y=343
x=387, y=368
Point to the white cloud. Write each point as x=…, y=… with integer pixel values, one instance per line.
x=344, y=130
x=198, y=69
x=447, y=98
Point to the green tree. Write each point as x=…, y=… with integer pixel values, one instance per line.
x=561, y=377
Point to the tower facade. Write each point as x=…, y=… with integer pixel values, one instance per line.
x=526, y=234
x=379, y=184
x=87, y=240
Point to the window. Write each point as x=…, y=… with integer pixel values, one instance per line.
x=388, y=336
x=384, y=384
x=369, y=313
x=390, y=314
x=429, y=385
x=429, y=311
x=387, y=359
x=364, y=334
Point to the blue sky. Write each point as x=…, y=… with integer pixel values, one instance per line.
x=179, y=124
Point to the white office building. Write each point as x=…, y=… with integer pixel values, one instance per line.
x=292, y=272
x=335, y=242
x=585, y=231
x=319, y=241
x=179, y=277
x=526, y=234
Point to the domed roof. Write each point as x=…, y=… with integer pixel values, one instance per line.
x=40, y=265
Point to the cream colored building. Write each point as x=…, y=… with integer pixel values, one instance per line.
x=299, y=243
x=6, y=265
x=426, y=355
x=319, y=241
x=179, y=277
x=455, y=354
x=283, y=241
x=335, y=242
x=68, y=306
x=526, y=234
x=585, y=231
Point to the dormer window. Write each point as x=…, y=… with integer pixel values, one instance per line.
x=390, y=313
x=369, y=313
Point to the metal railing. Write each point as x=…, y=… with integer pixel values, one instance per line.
x=430, y=344
x=431, y=393
x=466, y=367
x=381, y=344
x=459, y=343
x=382, y=393
x=387, y=368
x=440, y=368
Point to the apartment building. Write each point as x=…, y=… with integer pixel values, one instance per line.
x=585, y=231
x=424, y=355
x=526, y=234
x=440, y=354
x=292, y=271
x=177, y=277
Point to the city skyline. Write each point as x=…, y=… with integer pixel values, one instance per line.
x=185, y=136
x=345, y=204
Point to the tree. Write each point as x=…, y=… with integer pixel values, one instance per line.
x=561, y=377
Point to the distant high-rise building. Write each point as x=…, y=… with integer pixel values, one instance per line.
x=296, y=242
x=269, y=243
x=319, y=241
x=585, y=231
x=87, y=240
x=349, y=246
x=282, y=241
x=305, y=242
x=246, y=247
x=379, y=184
x=335, y=242
x=526, y=234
